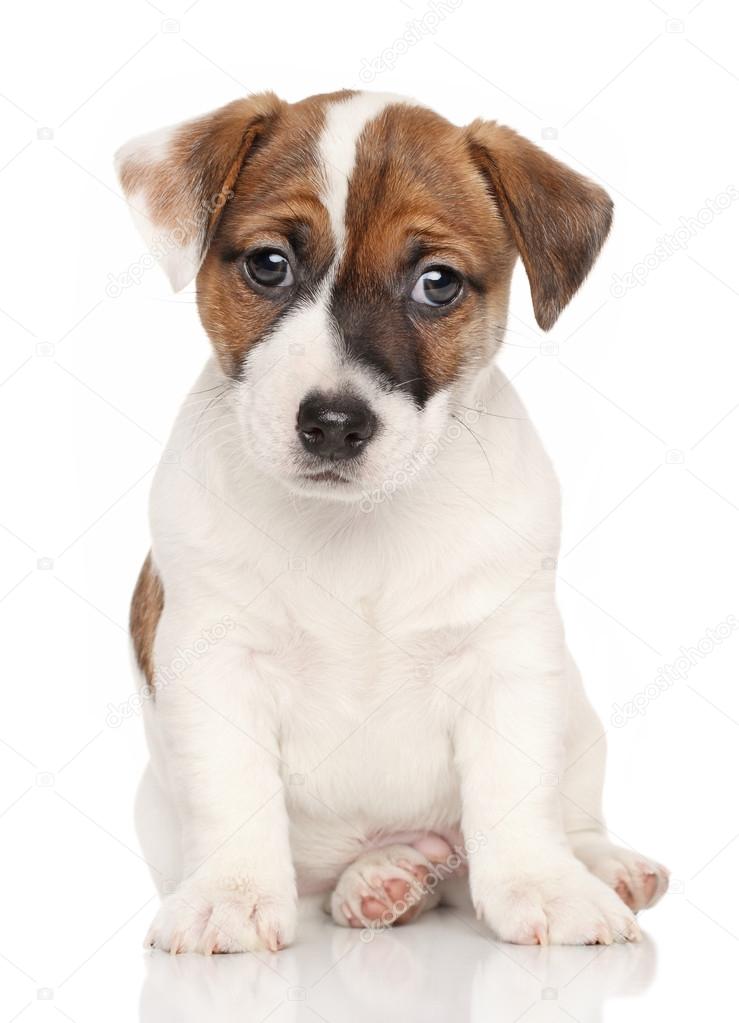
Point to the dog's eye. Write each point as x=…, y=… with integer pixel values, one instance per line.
x=269, y=268
x=438, y=286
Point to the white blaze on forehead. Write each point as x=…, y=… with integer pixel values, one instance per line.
x=337, y=148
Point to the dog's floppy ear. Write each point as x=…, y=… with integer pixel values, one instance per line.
x=177, y=180
x=558, y=219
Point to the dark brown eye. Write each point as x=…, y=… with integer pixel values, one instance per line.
x=270, y=268
x=438, y=286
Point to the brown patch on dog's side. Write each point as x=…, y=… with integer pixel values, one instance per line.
x=557, y=218
x=146, y=610
x=416, y=199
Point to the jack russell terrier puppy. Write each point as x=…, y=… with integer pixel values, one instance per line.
x=357, y=678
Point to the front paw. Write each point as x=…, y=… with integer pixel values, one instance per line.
x=234, y=915
x=542, y=907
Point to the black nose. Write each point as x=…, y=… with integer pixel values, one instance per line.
x=336, y=426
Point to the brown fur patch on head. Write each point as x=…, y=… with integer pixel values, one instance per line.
x=416, y=199
x=275, y=202
x=147, y=604
x=557, y=218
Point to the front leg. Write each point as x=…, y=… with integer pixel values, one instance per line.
x=214, y=724
x=509, y=746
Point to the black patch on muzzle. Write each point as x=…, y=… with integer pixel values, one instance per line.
x=375, y=331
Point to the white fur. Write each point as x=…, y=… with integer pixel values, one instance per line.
x=392, y=662
x=337, y=149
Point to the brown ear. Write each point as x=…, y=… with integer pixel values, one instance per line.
x=558, y=219
x=178, y=179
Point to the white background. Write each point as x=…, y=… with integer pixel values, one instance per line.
x=635, y=392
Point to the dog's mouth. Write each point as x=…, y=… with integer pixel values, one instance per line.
x=325, y=476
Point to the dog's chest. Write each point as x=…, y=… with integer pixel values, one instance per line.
x=370, y=741
x=363, y=648
x=365, y=721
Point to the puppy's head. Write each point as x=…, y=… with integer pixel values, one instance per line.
x=353, y=255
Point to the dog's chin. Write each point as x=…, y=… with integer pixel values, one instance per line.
x=329, y=484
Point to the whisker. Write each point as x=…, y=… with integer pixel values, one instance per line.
x=198, y=442
x=496, y=415
x=221, y=416
x=197, y=410
x=213, y=401
x=413, y=380
x=207, y=390
x=479, y=444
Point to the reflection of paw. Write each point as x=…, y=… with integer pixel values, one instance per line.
x=207, y=917
x=386, y=886
x=639, y=881
x=567, y=908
